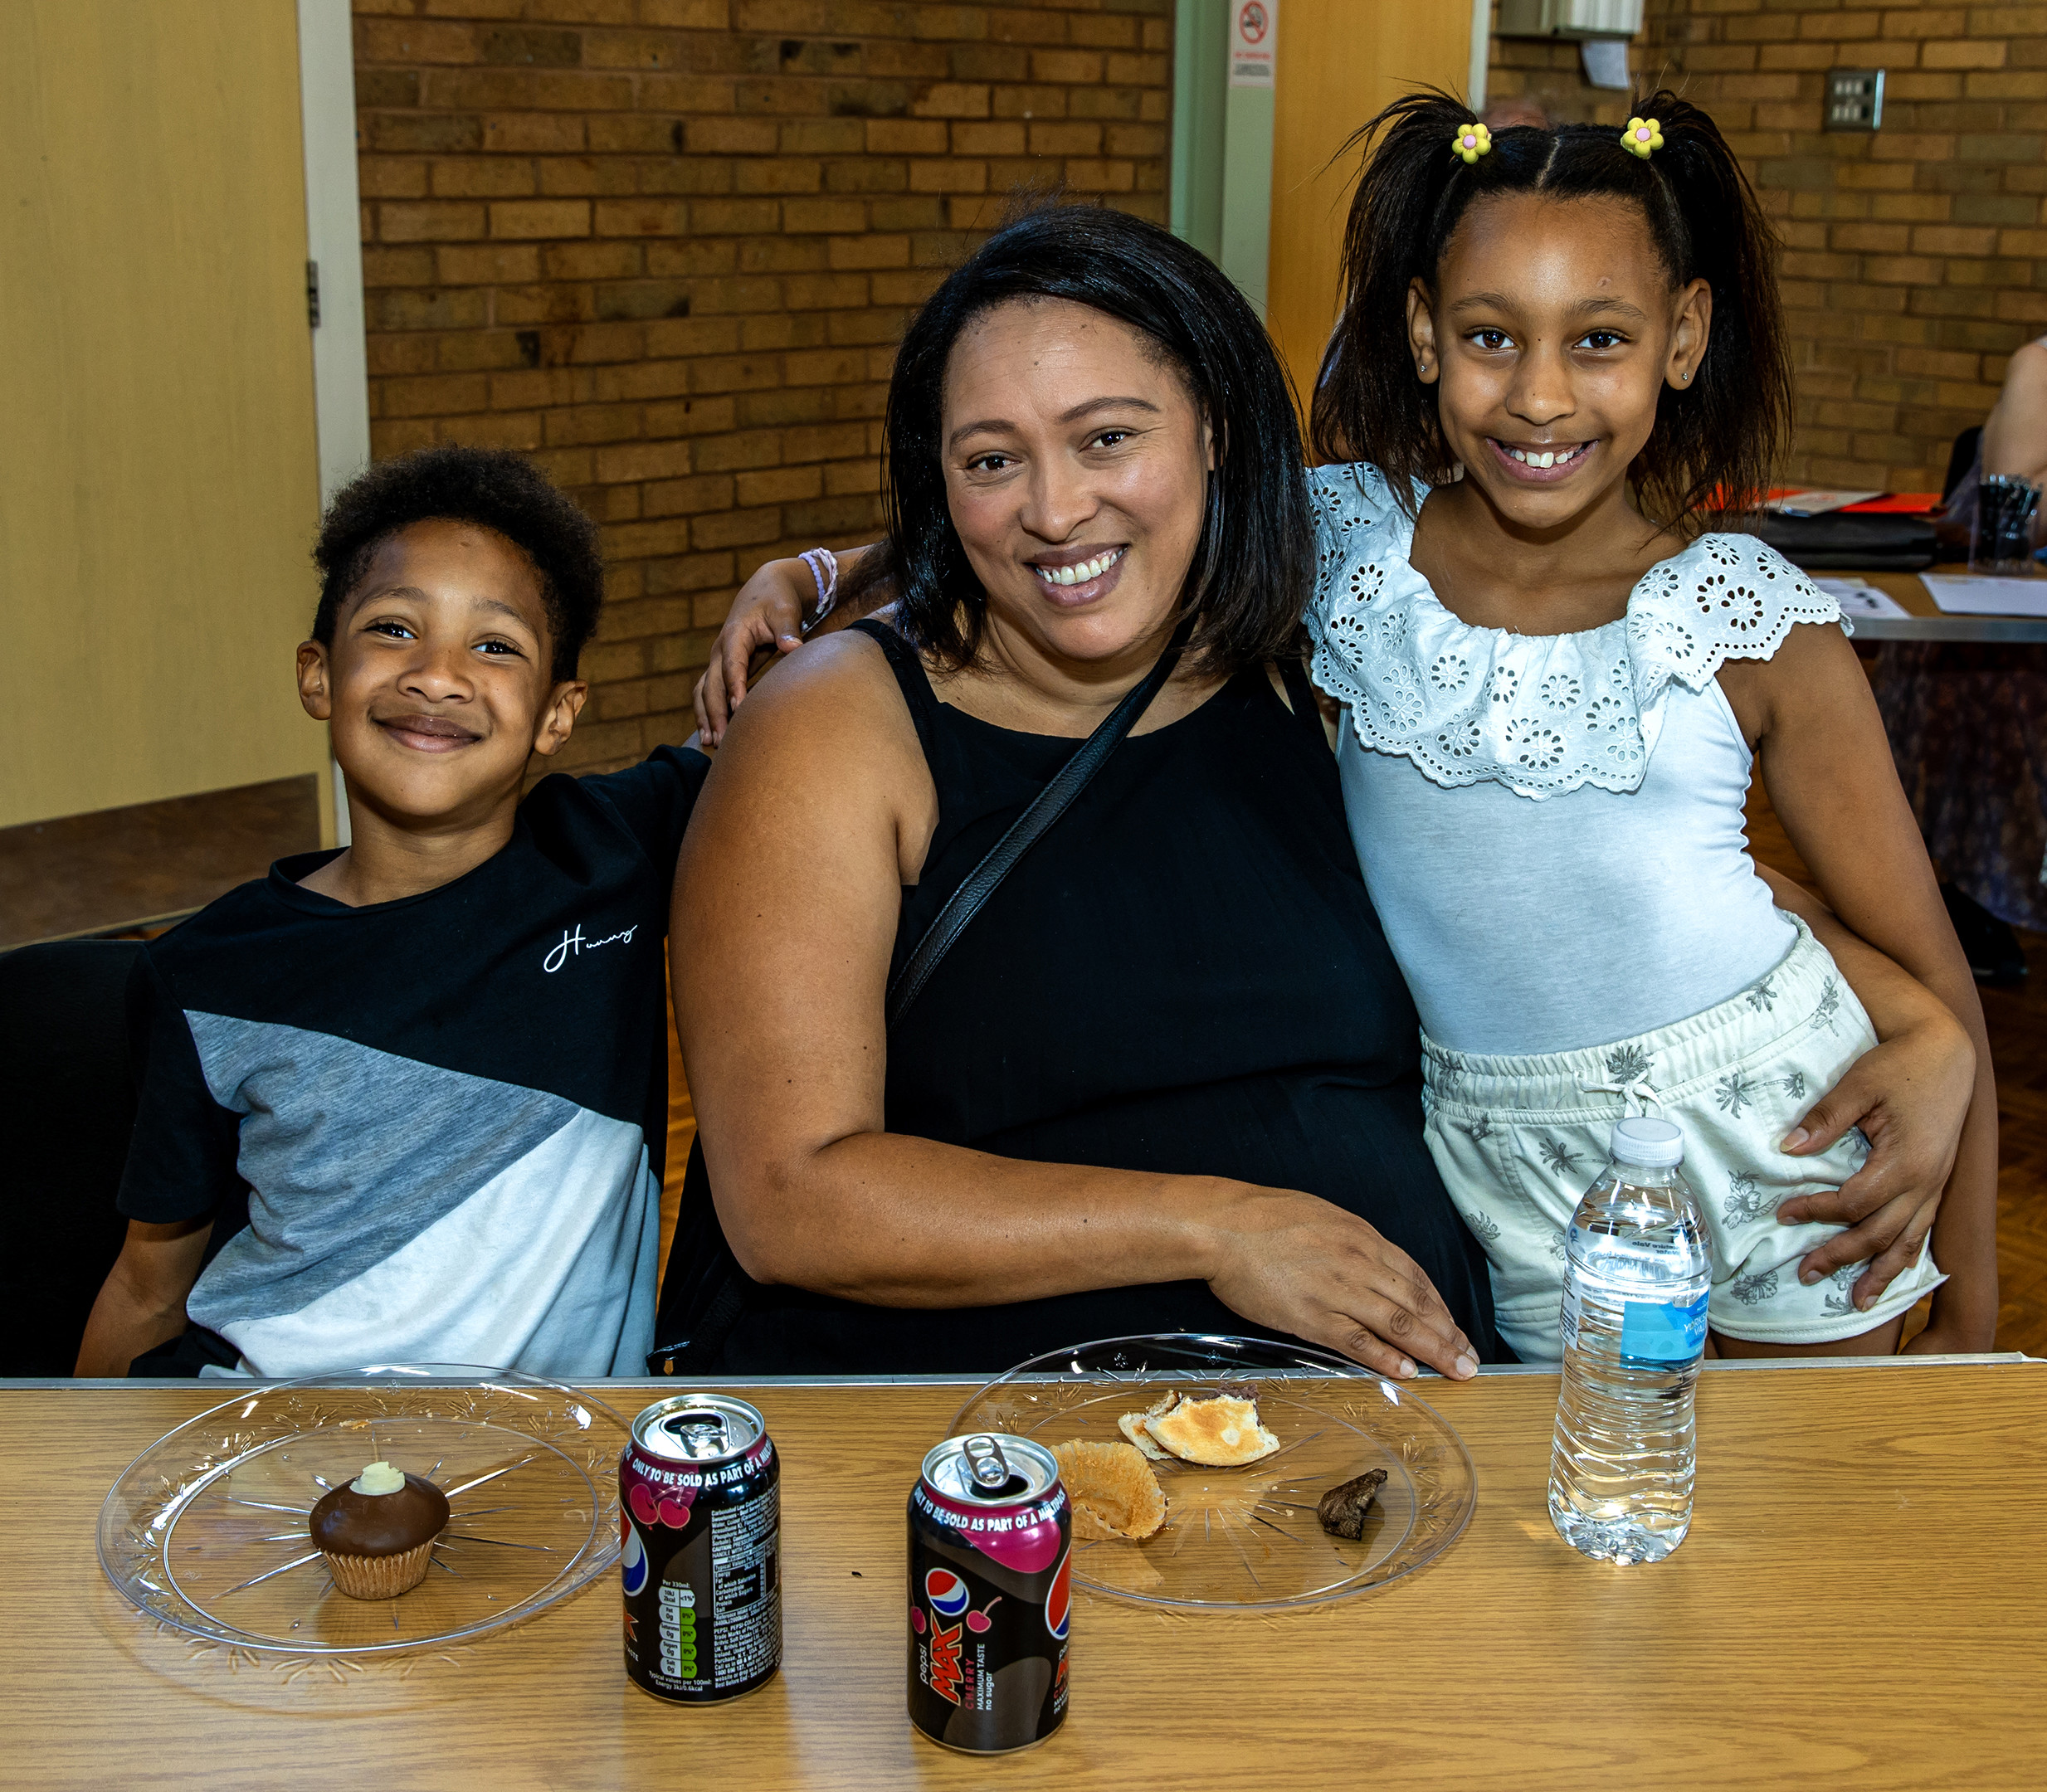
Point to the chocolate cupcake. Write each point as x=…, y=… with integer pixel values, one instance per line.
x=378, y=1531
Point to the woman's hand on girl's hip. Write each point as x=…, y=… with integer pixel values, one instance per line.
x=1909, y=1095
x=1301, y=1265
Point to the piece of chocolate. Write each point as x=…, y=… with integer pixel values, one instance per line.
x=1342, y=1510
x=345, y=1522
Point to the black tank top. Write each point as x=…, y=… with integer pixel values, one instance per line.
x=1184, y=975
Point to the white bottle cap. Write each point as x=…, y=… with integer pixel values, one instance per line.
x=1653, y=1144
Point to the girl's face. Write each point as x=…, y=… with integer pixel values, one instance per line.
x=1075, y=471
x=1552, y=329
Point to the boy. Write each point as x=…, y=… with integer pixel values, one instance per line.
x=433, y=1062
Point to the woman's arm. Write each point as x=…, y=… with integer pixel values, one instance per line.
x=2015, y=434
x=822, y=785
x=768, y=612
x=1827, y=765
x=142, y=1302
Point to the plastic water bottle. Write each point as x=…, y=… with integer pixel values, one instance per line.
x=1639, y=1272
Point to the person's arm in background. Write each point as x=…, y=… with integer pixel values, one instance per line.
x=2015, y=434
x=768, y=613
x=142, y=1302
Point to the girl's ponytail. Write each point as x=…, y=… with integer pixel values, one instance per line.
x=1716, y=444
x=1367, y=379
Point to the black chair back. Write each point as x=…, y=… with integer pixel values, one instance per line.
x=1960, y=458
x=67, y=1105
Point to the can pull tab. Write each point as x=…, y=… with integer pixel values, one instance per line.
x=986, y=1462
x=701, y=1434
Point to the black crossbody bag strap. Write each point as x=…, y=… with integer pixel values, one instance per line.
x=1025, y=832
x=721, y=1305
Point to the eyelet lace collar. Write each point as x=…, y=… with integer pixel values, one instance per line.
x=1539, y=714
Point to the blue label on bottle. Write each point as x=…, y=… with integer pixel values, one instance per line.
x=1656, y=1332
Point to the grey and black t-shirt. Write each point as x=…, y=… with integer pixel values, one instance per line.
x=447, y=1113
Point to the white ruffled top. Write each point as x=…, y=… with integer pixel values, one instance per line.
x=1538, y=714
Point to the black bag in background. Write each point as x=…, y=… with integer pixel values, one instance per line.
x=1849, y=541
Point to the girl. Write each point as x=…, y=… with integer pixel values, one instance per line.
x=1557, y=347
x=1555, y=701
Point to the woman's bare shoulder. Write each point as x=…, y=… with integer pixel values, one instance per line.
x=834, y=695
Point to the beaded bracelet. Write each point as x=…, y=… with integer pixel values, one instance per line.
x=824, y=565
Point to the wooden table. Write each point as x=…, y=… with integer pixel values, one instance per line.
x=1862, y=1604
x=1929, y=622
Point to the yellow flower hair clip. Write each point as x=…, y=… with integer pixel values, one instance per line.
x=1642, y=135
x=1473, y=141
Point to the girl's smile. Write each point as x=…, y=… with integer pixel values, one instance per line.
x=1541, y=463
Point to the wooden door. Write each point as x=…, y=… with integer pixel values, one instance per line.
x=1340, y=62
x=159, y=479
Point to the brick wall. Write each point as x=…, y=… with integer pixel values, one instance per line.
x=1915, y=258
x=668, y=246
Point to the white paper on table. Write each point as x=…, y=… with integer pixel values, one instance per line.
x=1858, y=598
x=1969, y=594
x=1818, y=503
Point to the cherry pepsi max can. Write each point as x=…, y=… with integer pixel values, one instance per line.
x=700, y=1523
x=990, y=1539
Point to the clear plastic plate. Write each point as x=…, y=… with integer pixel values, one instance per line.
x=1249, y=1537
x=206, y=1529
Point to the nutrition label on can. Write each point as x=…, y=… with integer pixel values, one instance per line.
x=746, y=1589
x=678, y=1635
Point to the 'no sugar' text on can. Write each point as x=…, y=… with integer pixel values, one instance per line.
x=700, y=1523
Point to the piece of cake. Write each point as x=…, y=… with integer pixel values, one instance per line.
x=1112, y=1489
x=1342, y=1510
x=378, y=1531
x=1221, y=1433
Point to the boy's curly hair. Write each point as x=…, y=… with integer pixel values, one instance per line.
x=492, y=487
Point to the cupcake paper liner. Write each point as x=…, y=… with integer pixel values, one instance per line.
x=377, y=1577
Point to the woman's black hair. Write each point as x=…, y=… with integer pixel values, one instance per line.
x=493, y=487
x=1715, y=443
x=1254, y=564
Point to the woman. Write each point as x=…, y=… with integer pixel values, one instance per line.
x=1166, y=1078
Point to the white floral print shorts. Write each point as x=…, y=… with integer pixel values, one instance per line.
x=1518, y=1140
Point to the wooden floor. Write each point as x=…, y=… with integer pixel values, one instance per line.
x=125, y=868
x=2018, y=1032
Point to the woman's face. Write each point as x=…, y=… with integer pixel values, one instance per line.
x=1075, y=469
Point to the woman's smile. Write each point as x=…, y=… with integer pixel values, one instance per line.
x=1072, y=577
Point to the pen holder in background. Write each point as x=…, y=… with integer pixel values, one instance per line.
x=2006, y=506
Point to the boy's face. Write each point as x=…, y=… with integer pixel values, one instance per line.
x=437, y=685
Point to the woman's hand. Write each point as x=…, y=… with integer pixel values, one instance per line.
x=768, y=610
x=1302, y=1265
x=1909, y=1095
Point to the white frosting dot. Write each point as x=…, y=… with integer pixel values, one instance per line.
x=378, y=1477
